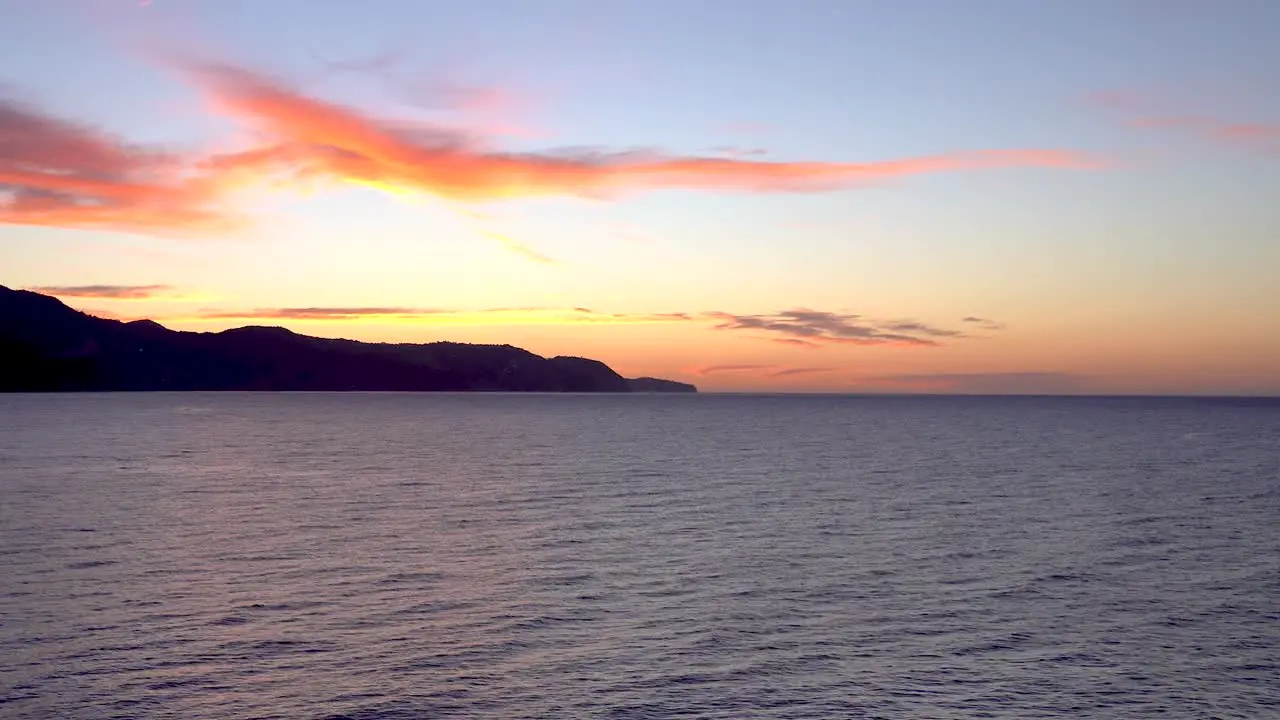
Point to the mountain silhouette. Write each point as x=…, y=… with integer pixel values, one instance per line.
x=46, y=346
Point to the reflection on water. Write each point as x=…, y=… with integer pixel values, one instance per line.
x=408, y=556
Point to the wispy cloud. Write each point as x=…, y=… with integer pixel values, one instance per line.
x=1144, y=112
x=441, y=316
x=913, y=327
x=768, y=370
x=798, y=327
x=801, y=327
x=488, y=109
x=813, y=327
x=63, y=174
x=590, y=316
x=983, y=323
x=784, y=372
x=795, y=342
x=321, y=313
x=60, y=174
x=312, y=137
x=735, y=151
x=1260, y=136
x=480, y=225
x=108, y=292
x=721, y=369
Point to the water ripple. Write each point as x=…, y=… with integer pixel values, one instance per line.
x=382, y=556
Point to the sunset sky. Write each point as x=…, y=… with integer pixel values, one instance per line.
x=1077, y=196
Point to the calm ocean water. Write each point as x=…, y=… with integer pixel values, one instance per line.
x=522, y=556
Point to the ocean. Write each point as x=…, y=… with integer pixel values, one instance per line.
x=377, y=556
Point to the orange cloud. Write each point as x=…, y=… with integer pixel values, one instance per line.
x=59, y=174
x=310, y=138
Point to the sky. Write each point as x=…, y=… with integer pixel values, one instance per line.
x=989, y=196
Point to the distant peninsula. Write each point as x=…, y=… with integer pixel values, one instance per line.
x=46, y=346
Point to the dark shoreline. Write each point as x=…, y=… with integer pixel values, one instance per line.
x=46, y=346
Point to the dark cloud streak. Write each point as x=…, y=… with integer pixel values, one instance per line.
x=786, y=372
x=797, y=327
x=718, y=369
x=322, y=313
x=105, y=292
x=983, y=323
x=813, y=327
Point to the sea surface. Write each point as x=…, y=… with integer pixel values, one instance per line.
x=371, y=556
